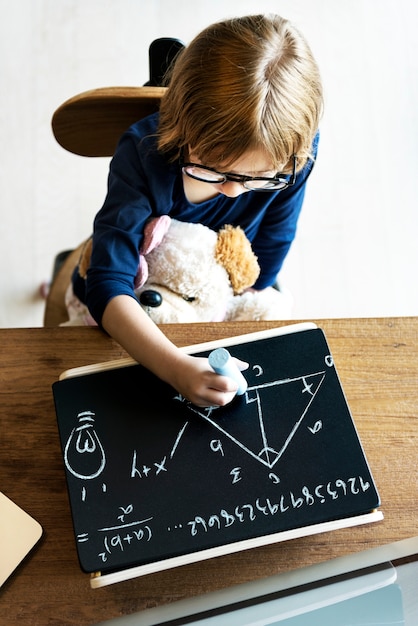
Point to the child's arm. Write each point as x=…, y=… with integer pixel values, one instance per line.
x=128, y=324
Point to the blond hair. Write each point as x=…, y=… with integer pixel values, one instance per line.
x=243, y=84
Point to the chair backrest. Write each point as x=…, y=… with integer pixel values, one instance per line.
x=91, y=123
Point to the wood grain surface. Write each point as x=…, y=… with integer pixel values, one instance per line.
x=377, y=361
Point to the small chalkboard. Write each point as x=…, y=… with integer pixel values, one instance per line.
x=155, y=481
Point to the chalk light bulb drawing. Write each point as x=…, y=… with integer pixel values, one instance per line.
x=84, y=455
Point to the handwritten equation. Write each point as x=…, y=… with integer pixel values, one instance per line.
x=266, y=507
x=158, y=475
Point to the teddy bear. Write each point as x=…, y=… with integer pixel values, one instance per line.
x=190, y=273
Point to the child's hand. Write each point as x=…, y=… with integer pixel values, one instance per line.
x=197, y=382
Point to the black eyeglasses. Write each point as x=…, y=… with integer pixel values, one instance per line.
x=254, y=183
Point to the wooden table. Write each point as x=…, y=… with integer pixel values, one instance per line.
x=377, y=360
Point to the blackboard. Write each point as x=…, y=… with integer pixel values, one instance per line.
x=151, y=476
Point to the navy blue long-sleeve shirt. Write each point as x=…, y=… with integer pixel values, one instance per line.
x=142, y=184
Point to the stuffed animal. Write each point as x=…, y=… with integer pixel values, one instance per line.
x=190, y=273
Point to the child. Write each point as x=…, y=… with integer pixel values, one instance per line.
x=233, y=143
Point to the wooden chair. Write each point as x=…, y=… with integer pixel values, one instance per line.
x=90, y=124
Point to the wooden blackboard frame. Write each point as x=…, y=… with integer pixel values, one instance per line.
x=270, y=505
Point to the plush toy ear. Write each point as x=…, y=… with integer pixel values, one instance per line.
x=234, y=252
x=154, y=232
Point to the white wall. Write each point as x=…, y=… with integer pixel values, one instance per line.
x=355, y=252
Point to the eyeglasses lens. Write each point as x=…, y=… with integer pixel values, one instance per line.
x=211, y=176
x=201, y=173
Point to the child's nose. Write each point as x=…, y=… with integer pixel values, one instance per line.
x=232, y=189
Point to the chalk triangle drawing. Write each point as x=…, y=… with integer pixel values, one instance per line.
x=276, y=409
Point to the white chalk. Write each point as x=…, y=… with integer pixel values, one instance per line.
x=222, y=363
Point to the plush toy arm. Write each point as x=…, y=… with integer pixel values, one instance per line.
x=268, y=304
x=84, y=262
